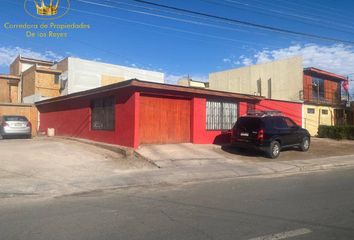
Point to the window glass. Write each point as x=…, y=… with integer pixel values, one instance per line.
x=289, y=123
x=324, y=111
x=248, y=124
x=15, y=118
x=318, y=90
x=311, y=110
x=103, y=114
x=220, y=115
x=56, y=79
x=279, y=123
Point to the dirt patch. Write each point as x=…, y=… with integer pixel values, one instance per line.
x=109, y=152
x=320, y=148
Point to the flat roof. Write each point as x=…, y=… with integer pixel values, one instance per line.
x=43, y=69
x=9, y=76
x=151, y=85
x=325, y=73
x=33, y=60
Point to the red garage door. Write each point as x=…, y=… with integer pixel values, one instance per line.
x=164, y=120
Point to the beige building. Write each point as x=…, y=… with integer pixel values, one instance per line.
x=280, y=80
x=188, y=82
x=9, y=88
x=81, y=75
x=39, y=83
x=314, y=116
x=21, y=64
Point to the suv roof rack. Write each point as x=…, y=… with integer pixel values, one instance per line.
x=264, y=113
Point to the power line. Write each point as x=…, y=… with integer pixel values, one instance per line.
x=249, y=24
x=162, y=16
x=164, y=27
x=281, y=13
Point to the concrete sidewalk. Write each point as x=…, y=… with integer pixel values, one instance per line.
x=219, y=170
x=62, y=167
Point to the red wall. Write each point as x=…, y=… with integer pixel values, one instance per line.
x=72, y=118
x=199, y=134
x=290, y=109
x=198, y=129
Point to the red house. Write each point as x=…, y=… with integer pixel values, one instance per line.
x=135, y=112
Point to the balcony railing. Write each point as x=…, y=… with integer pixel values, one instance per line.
x=327, y=97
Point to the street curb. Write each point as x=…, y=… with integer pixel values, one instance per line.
x=299, y=170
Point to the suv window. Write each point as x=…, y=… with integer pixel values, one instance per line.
x=279, y=123
x=248, y=123
x=289, y=123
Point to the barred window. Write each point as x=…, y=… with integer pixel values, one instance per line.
x=103, y=114
x=220, y=115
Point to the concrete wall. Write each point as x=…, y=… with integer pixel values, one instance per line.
x=39, y=84
x=286, y=77
x=8, y=89
x=28, y=111
x=312, y=121
x=4, y=91
x=83, y=74
x=190, y=83
x=28, y=83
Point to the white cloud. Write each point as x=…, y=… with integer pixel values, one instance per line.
x=337, y=58
x=173, y=79
x=8, y=54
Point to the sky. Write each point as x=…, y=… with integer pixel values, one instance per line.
x=133, y=34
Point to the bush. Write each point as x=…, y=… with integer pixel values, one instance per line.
x=336, y=132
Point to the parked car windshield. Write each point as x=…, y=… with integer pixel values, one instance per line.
x=248, y=123
x=15, y=118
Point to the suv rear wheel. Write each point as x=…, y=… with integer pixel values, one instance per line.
x=305, y=144
x=274, y=150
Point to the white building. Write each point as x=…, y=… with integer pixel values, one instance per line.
x=80, y=75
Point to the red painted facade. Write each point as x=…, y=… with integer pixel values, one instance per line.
x=71, y=115
x=73, y=118
x=292, y=110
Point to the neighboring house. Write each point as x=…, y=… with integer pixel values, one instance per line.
x=287, y=82
x=280, y=80
x=136, y=112
x=9, y=88
x=40, y=79
x=39, y=83
x=322, y=100
x=188, y=82
x=31, y=80
x=21, y=64
x=80, y=75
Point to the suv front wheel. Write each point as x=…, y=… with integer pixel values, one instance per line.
x=274, y=150
x=305, y=144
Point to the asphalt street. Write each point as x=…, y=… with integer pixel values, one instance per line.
x=305, y=206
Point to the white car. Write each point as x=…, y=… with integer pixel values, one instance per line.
x=11, y=125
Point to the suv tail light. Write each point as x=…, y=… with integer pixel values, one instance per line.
x=260, y=135
x=29, y=124
x=4, y=124
x=234, y=132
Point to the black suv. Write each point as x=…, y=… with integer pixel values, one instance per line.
x=269, y=132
